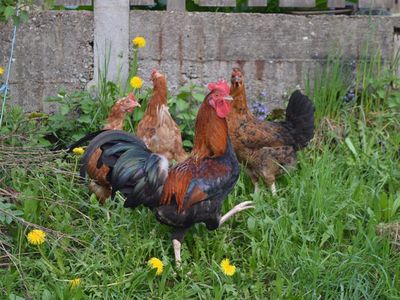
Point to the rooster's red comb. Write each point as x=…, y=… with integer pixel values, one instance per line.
x=220, y=85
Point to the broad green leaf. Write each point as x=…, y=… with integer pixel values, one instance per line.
x=199, y=97
x=9, y=11
x=187, y=143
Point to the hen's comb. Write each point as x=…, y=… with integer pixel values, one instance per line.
x=153, y=72
x=131, y=97
x=236, y=71
x=220, y=85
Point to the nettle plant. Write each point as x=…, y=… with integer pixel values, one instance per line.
x=184, y=107
x=10, y=11
x=79, y=113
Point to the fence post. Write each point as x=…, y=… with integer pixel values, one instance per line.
x=111, y=39
x=176, y=5
x=396, y=49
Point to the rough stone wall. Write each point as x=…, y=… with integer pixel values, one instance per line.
x=55, y=49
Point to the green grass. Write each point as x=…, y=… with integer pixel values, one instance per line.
x=316, y=240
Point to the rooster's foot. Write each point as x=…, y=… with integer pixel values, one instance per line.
x=241, y=206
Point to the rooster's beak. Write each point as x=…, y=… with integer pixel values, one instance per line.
x=229, y=98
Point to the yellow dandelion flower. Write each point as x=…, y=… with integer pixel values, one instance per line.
x=75, y=282
x=155, y=263
x=36, y=237
x=136, y=82
x=227, y=268
x=78, y=150
x=139, y=42
x=1, y=71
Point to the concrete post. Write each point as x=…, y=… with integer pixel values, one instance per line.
x=396, y=48
x=257, y=3
x=176, y=5
x=111, y=40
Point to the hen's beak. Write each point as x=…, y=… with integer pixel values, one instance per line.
x=132, y=107
x=235, y=79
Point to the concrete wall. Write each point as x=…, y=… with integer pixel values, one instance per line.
x=275, y=51
x=55, y=49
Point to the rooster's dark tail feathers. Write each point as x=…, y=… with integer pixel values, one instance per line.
x=83, y=140
x=300, y=115
x=135, y=171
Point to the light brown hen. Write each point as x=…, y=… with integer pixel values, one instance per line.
x=157, y=129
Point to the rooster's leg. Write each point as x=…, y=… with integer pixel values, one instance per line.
x=241, y=206
x=177, y=251
x=177, y=239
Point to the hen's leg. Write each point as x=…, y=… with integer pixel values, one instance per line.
x=256, y=187
x=273, y=189
x=241, y=206
x=254, y=180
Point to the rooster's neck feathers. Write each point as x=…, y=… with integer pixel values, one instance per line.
x=211, y=133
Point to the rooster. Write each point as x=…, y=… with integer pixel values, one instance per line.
x=266, y=148
x=157, y=128
x=188, y=193
x=99, y=185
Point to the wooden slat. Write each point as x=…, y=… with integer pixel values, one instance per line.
x=297, y=3
x=142, y=2
x=73, y=2
x=336, y=3
x=176, y=5
x=374, y=4
x=257, y=2
x=230, y=3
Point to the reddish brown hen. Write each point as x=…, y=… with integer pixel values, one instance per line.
x=157, y=129
x=267, y=148
x=99, y=184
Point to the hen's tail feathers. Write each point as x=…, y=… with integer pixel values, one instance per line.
x=83, y=140
x=135, y=171
x=300, y=115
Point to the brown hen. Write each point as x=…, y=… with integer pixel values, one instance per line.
x=266, y=149
x=157, y=129
x=99, y=184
